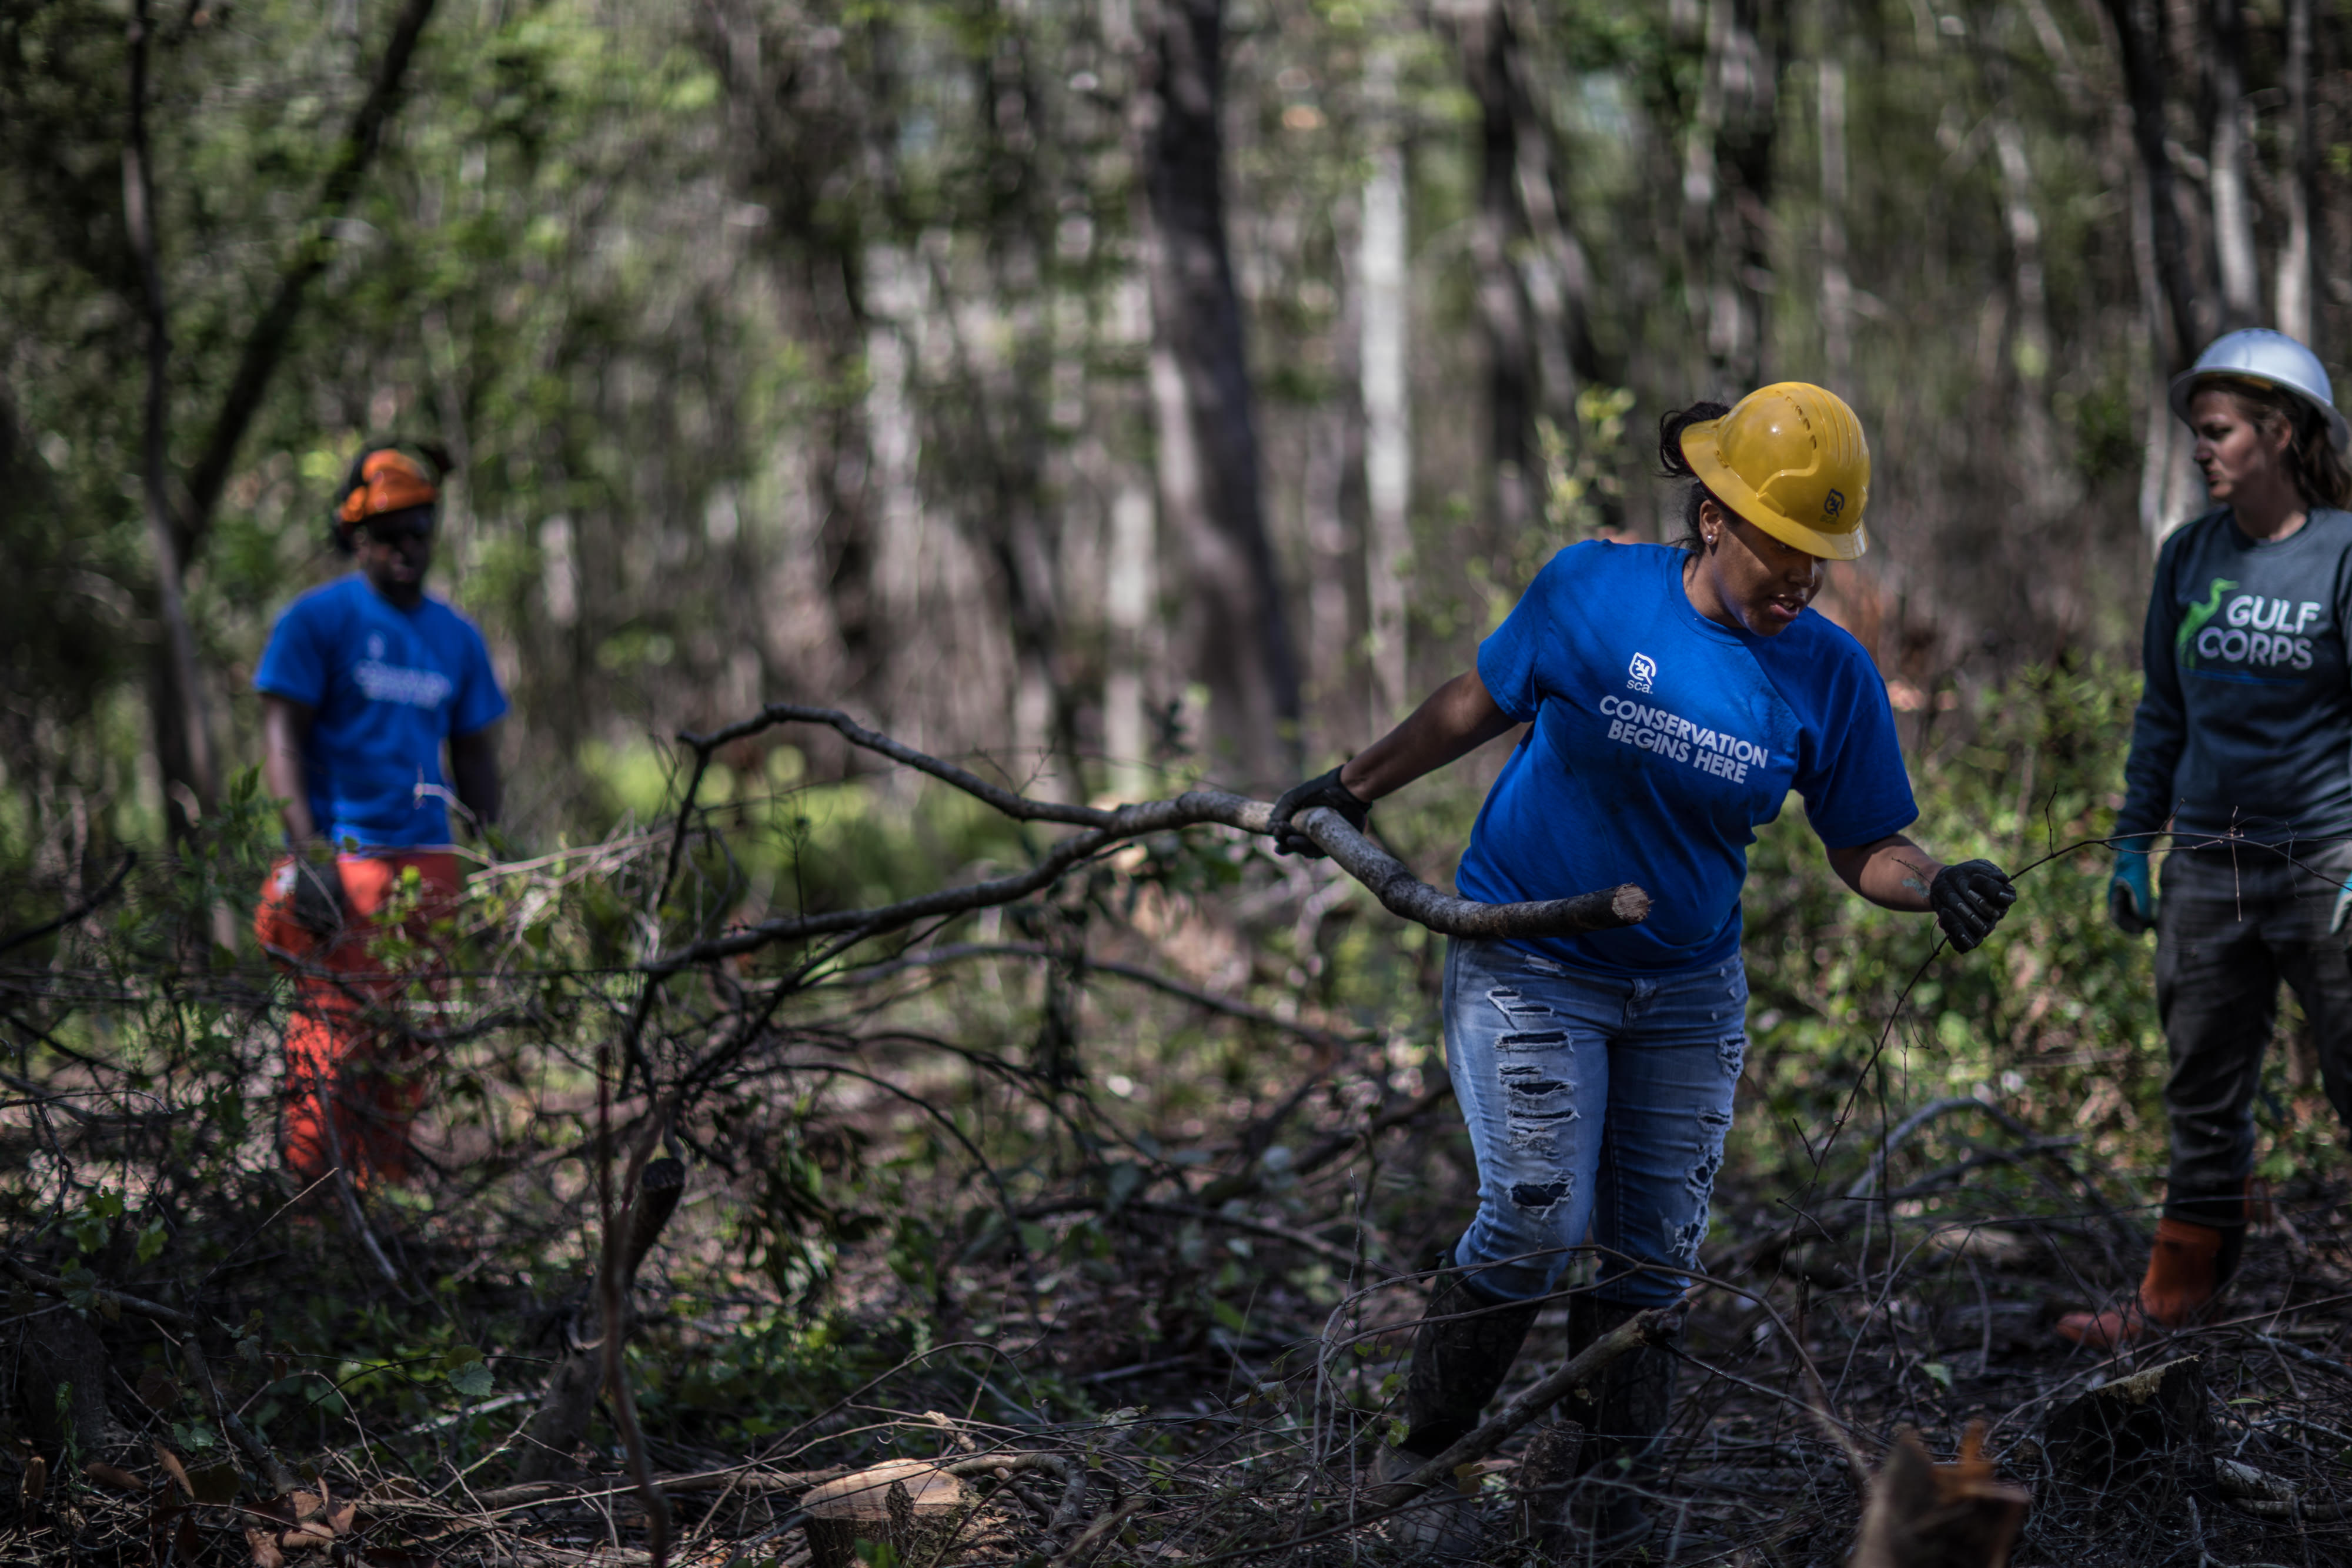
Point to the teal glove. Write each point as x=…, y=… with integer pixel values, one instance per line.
x=2131, y=895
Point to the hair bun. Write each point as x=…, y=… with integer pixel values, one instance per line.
x=1672, y=464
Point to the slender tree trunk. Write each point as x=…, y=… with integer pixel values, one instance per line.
x=2165, y=468
x=1023, y=539
x=178, y=531
x=2233, y=222
x=1208, y=447
x=1554, y=276
x=2296, y=309
x=796, y=115
x=841, y=468
x=1498, y=233
x=2173, y=304
x=895, y=298
x=2044, y=475
x=1837, y=287
x=1131, y=583
x=266, y=345
x=1727, y=160
x=183, y=742
x=1385, y=316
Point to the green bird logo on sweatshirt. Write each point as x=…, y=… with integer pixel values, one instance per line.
x=2193, y=620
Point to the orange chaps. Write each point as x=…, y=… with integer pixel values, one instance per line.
x=355, y=1077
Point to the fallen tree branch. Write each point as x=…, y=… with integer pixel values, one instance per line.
x=1330, y=1252
x=1070, y=1472
x=1395, y=886
x=1101, y=1531
x=138, y=1306
x=1901, y=1134
x=956, y=952
x=1643, y=1327
x=598, y=1489
x=95, y=901
x=612, y=1302
x=1224, y=1189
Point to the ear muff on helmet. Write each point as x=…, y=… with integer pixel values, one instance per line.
x=385, y=478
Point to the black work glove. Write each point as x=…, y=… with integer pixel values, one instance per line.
x=1968, y=900
x=319, y=906
x=1325, y=790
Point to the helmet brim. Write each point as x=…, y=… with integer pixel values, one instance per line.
x=2186, y=385
x=1699, y=448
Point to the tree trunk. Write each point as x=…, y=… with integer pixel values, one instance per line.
x=1837, y=286
x=1332, y=505
x=2173, y=306
x=1498, y=233
x=1728, y=156
x=179, y=713
x=2296, y=311
x=1384, y=313
x=2233, y=224
x=1208, y=447
x=1008, y=410
x=796, y=115
x=1555, y=275
x=184, y=746
x=561, y=1419
x=2044, y=475
x=1131, y=584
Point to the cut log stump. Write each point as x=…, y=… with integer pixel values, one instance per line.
x=2152, y=1422
x=916, y=1507
x=1926, y=1515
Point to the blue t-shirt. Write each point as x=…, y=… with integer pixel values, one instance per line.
x=386, y=686
x=1661, y=742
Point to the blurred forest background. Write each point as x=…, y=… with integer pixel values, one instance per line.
x=1102, y=395
x=1099, y=385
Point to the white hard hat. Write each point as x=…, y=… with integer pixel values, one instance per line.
x=2259, y=354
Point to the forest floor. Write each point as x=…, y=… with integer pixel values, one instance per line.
x=1245, y=1436
x=1119, y=1204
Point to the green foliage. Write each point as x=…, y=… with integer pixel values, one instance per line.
x=2055, y=1014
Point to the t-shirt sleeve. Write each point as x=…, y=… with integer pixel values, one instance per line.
x=1855, y=787
x=1508, y=660
x=2160, y=723
x=294, y=663
x=479, y=702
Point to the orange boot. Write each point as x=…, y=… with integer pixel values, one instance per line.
x=2185, y=1271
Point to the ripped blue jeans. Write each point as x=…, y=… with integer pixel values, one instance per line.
x=1594, y=1101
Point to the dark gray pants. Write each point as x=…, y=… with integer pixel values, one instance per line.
x=2233, y=922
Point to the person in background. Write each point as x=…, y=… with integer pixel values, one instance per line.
x=2241, y=750
x=364, y=682
x=1676, y=694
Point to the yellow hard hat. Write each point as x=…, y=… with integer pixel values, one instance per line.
x=1791, y=459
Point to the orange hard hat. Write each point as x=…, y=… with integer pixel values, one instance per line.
x=386, y=479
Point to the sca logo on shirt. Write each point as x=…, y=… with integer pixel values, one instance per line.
x=1641, y=672
x=2248, y=629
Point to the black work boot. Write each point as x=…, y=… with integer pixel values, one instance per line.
x=1625, y=1421
x=1458, y=1363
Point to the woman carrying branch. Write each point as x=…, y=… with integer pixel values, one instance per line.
x=1674, y=696
x=2241, y=750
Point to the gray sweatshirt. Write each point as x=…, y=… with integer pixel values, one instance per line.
x=2245, y=723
